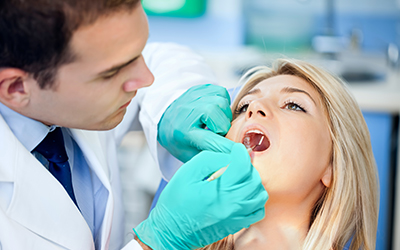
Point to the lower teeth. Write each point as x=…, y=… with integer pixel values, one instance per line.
x=246, y=141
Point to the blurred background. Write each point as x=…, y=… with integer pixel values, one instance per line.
x=358, y=40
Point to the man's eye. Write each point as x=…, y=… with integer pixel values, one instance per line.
x=241, y=109
x=109, y=76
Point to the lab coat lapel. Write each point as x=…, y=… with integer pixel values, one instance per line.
x=92, y=144
x=39, y=202
x=92, y=148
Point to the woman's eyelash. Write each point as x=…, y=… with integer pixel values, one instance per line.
x=242, y=107
x=292, y=105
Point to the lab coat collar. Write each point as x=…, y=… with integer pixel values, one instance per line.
x=48, y=212
x=21, y=126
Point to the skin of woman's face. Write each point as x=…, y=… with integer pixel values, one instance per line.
x=289, y=112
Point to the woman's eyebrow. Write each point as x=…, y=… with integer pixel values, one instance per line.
x=296, y=90
x=252, y=92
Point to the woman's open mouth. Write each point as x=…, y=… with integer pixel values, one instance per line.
x=256, y=140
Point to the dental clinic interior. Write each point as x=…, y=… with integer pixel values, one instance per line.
x=358, y=40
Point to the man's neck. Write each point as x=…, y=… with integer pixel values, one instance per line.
x=28, y=131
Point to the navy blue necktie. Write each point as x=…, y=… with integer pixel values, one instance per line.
x=52, y=148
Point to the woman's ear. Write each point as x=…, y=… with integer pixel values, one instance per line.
x=13, y=88
x=326, y=178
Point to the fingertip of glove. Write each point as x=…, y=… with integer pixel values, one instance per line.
x=219, y=90
x=259, y=215
x=227, y=95
x=264, y=196
x=240, y=149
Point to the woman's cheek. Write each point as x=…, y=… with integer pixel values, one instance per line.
x=233, y=134
x=229, y=134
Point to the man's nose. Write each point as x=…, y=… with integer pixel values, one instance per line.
x=141, y=77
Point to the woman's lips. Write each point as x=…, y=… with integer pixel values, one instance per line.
x=256, y=140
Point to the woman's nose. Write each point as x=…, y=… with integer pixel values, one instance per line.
x=256, y=109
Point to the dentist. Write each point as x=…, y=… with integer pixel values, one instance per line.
x=75, y=77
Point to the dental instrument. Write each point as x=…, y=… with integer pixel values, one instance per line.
x=220, y=171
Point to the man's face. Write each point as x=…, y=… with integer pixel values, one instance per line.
x=93, y=91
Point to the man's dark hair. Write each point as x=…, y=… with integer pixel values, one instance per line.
x=35, y=34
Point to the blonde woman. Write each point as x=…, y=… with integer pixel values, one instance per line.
x=312, y=149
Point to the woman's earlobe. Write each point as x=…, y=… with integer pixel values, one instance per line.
x=327, y=177
x=13, y=92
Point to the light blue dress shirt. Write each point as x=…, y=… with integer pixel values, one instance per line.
x=90, y=193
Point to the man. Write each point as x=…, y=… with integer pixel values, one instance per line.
x=71, y=79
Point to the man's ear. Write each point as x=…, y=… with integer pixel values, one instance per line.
x=14, y=92
x=326, y=178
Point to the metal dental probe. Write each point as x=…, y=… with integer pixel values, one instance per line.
x=220, y=171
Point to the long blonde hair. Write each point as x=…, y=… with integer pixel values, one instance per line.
x=348, y=209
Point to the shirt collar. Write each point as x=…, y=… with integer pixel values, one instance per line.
x=28, y=131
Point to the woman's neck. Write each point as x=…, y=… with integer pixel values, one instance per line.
x=285, y=227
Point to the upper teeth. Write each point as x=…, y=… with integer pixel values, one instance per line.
x=255, y=131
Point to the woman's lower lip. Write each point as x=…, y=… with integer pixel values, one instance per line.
x=125, y=105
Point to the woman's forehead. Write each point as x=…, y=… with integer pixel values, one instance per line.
x=284, y=81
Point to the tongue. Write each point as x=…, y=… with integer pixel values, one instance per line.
x=257, y=142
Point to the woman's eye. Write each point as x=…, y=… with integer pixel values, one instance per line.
x=294, y=106
x=242, y=109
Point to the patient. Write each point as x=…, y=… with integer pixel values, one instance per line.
x=312, y=149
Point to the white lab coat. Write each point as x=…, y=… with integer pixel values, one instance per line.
x=35, y=210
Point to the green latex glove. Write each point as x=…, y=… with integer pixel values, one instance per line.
x=193, y=213
x=181, y=129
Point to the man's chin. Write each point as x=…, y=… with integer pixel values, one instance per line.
x=104, y=125
x=107, y=123
x=112, y=122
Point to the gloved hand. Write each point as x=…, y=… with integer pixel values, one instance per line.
x=193, y=213
x=181, y=129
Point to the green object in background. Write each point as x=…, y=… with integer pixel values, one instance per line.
x=176, y=8
x=276, y=30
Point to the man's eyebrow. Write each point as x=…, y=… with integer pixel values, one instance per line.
x=117, y=67
x=294, y=90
